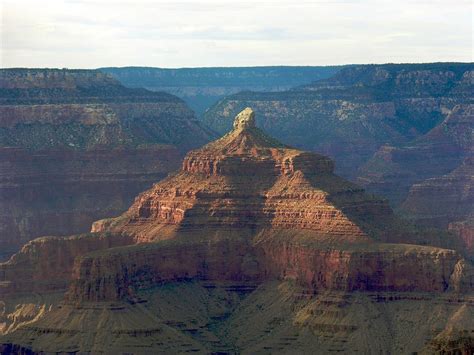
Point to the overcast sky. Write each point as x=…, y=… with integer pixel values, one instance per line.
x=94, y=33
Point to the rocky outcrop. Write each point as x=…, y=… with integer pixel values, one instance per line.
x=76, y=146
x=203, y=87
x=247, y=179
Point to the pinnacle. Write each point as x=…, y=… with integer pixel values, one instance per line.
x=245, y=119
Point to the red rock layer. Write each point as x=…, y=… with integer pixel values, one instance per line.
x=118, y=274
x=370, y=267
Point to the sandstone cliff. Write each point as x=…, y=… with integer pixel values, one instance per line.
x=75, y=146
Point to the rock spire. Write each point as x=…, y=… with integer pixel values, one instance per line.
x=245, y=119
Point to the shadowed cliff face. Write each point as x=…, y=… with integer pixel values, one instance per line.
x=247, y=220
x=445, y=199
x=394, y=171
x=75, y=146
x=431, y=179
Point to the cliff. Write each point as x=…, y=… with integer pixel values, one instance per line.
x=75, y=146
x=45, y=264
x=250, y=186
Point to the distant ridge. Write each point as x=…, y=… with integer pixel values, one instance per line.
x=202, y=87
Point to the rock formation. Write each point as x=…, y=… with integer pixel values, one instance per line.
x=253, y=246
x=76, y=146
x=389, y=127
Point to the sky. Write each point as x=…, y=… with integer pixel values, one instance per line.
x=206, y=33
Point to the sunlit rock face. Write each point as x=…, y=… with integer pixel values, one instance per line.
x=247, y=220
x=76, y=146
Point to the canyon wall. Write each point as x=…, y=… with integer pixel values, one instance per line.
x=76, y=146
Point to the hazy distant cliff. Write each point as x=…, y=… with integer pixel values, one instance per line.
x=75, y=145
x=202, y=87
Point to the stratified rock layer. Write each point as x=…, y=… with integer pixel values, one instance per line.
x=76, y=146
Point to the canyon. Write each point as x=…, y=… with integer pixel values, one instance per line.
x=253, y=246
x=76, y=146
x=391, y=128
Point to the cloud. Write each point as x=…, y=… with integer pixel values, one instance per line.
x=93, y=33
